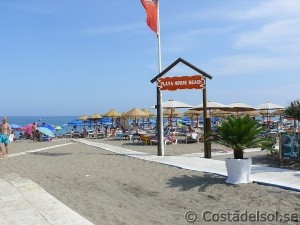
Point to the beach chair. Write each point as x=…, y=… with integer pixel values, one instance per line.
x=167, y=140
x=191, y=137
x=145, y=140
x=119, y=135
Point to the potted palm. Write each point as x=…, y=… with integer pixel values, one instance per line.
x=238, y=133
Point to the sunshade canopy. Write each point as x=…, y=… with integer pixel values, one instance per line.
x=174, y=104
x=269, y=106
x=46, y=131
x=239, y=107
x=83, y=117
x=135, y=113
x=95, y=116
x=111, y=113
x=172, y=112
x=150, y=114
x=210, y=105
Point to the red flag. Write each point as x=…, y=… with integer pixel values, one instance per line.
x=151, y=10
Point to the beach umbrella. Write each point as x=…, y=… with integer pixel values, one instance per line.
x=220, y=113
x=278, y=112
x=16, y=127
x=113, y=114
x=172, y=112
x=269, y=106
x=191, y=113
x=95, y=117
x=46, y=131
x=150, y=114
x=47, y=126
x=250, y=113
x=83, y=118
x=75, y=123
x=135, y=113
x=172, y=104
x=175, y=104
x=210, y=105
x=28, y=129
x=58, y=128
x=239, y=107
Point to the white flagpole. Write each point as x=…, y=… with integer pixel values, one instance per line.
x=161, y=150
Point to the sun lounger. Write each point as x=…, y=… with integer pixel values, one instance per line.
x=191, y=137
x=166, y=141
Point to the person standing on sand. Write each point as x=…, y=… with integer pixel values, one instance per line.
x=5, y=131
x=33, y=131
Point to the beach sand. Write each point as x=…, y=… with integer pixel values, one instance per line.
x=107, y=188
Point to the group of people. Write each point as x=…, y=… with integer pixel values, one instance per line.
x=5, y=131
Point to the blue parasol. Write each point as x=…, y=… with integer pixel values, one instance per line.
x=46, y=131
x=48, y=126
x=15, y=127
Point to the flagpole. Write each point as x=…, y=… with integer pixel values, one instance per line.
x=160, y=125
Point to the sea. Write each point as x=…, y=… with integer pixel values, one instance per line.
x=51, y=120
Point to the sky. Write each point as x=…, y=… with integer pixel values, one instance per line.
x=74, y=57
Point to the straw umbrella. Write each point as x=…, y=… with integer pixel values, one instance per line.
x=191, y=113
x=170, y=113
x=220, y=113
x=135, y=113
x=83, y=118
x=150, y=114
x=94, y=117
x=251, y=113
x=113, y=114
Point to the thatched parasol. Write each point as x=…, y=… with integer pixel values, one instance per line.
x=150, y=114
x=83, y=117
x=112, y=113
x=135, y=113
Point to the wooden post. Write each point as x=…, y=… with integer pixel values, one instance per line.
x=159, y=124
x=206, y=123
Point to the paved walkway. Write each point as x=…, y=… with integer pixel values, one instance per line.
x=23, y=202
x=284, y=178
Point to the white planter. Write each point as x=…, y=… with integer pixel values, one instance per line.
x=238, y=170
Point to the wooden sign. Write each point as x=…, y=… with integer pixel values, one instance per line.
x=182, y=82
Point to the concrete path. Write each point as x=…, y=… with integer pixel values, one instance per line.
x=284, y=178
x=23, y=202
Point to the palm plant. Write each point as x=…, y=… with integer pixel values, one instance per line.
x=238, y=133
x=293, y=111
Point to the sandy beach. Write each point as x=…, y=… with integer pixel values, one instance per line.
x=107, y=188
